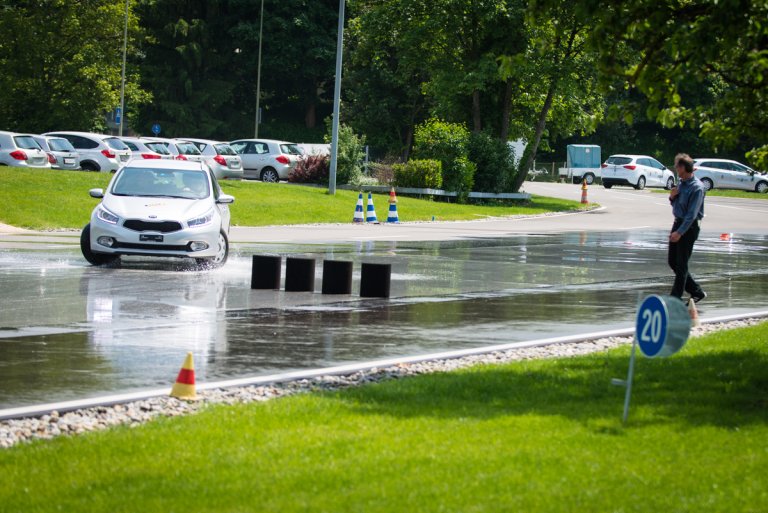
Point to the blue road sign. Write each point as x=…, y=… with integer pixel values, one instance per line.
x=156, y=128
x=662, y=326
x=117, y=115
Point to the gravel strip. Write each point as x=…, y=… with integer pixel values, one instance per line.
x=134, y=414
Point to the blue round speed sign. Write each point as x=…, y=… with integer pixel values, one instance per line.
x=156, y=128
x=663, y=325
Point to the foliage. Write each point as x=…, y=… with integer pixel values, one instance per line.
x=311, y=169
x=448, y=143
x=422, y=174
x=350, y=154
x=494, y=160
x=61, y=64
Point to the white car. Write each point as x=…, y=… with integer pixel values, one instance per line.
x=729, y=174
x=98, y=152
x=21, y=150
x=180, y=150
x=140, y=150
x=61, y=154
x=637, y=171
x=266, y=159
x=165, y=208
x=220, y=157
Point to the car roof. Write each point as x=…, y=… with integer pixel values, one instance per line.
x=633, y=156
x=717, y=160
x=83, y=134
x=132, y=139
x=182, y=165
x=264, y=140
x=203, y=141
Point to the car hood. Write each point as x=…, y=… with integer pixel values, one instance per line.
x=156, y=209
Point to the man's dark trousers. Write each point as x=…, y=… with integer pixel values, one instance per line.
x=679, y=254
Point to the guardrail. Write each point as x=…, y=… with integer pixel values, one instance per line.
x=438, y=192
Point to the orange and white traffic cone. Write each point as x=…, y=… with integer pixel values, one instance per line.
x=184, y=388
x=393, y=217
x=695, y=321
x=584, y=200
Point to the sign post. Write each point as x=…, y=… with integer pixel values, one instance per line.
x=661, y=329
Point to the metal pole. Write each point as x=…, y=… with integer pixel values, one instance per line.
x=630, y=377
x=122, y=79
x=258, y=70
x=336, y=102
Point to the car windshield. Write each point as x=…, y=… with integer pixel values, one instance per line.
x=186, y=148
x=59, y=144
x=290, y=149
x=224, y=149
x=158, y=147
x=173, y=183
x=618, y=161
x=26, y=142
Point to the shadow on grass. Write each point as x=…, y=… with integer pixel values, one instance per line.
x=725, y=389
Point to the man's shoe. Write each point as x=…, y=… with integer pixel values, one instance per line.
x=698, y=297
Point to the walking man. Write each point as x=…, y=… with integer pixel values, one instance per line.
x=687, y=201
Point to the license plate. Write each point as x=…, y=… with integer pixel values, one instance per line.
x=123, y=158
x=234, y=165
x=69, y=161
x=150, y=238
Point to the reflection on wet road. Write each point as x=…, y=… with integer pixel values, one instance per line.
x=71, y=331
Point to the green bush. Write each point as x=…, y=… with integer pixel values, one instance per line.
x=495, y=163
x=423, y=174
x=349, y=159
x=448, y=143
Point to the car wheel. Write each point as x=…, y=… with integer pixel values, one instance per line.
x=269, y=175
x=607, y=185
x=92, y=257
x=640, y=183
x=90, y=166
x=670, y=183
x=590, y=178
x=761, y=187
x=708, y=185
x=221, y=254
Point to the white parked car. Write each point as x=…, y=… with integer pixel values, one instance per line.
x=98, y=152
x=179, y=150
x=139, y=150
x=266, y=159
x=165, y=208
x=729, y=174
x=220, y=157
x=21, y=150
x=637, y=171
x=61, y=154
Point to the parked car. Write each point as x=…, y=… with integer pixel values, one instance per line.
x=165, y=208
x=266, y=159
x=140, y=150
x=220, y=157
x=179, y=150
x=637, y=171
x=98, y=152
x=729, y=174
x=61, y=153
x=21, y=150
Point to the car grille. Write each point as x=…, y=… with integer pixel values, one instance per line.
x=149, y=247
x=138, y=225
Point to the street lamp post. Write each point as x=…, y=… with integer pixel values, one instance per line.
x=258, y=70
x=336, y=103
x=122, y=75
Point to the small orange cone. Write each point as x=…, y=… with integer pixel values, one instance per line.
x=584, y=200
x=184, y=388
x=695, y=321
x=725, y=237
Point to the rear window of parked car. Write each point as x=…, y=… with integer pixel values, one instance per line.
x=158, y=147
x=187, y=148
x=618, y=161
x=26, y=142
x=224, y=149
x=60, y=145
x=81, y=143
x=290, y=149
x=116, y=144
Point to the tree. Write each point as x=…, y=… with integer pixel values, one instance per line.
x=62, y=62
x=670, y=51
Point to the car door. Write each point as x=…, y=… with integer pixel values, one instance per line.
x=645, y=168
x=742, y=176
x=223, y=208
x=658, y=172
x=249, y=157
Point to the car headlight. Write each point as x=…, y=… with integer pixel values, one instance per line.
x=200, y=221
x=106, y=216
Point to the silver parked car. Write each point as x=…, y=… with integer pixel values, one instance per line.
x=266, y=159
x=61, y=153
x=180, y=150
x=729, y=174
x=140, y=150
x=220, y=157
x=21, y=150
x=98, y=152
x=166, y=208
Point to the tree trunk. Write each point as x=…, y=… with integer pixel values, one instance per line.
x=310, y=115
x=476, y=110
x=533, y=146
x=506, y=111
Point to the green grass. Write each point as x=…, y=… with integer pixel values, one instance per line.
x=528, y=436
x=49, y=199
x=729, y=194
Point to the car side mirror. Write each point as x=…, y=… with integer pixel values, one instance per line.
x=225, y=199
x=96, y=193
